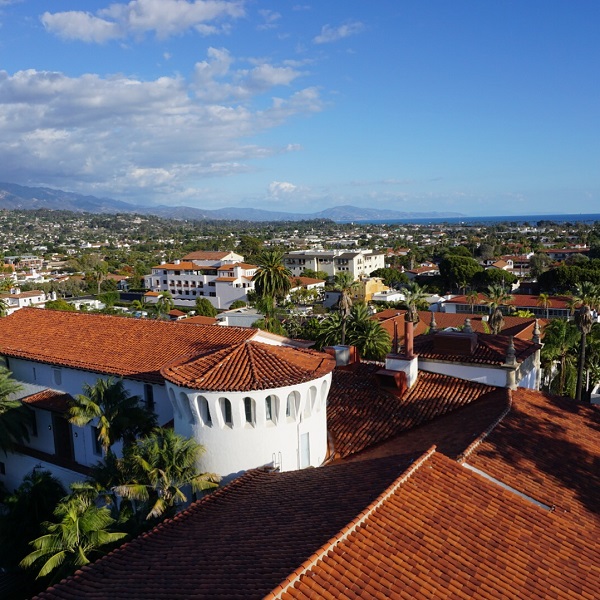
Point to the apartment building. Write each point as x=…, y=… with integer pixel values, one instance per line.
x=359, y=263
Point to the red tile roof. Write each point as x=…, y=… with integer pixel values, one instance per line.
x=249, y=366
x=199, y=320
x=240, y=541
x=524, y=300
x=182, y=266
x=490, y=350
x=521, y=327
x=134, y=348
x=52, y=400
x=206, y=255
x=361, y=414
x=441, y=531
x=549, y=448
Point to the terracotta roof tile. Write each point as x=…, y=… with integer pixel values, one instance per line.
x=240, y=541
x=205, y=255
x=135, y=348
x=249, y=366
x=52, y=400
x=182, y=266
x=490, y=350
x=448, y=533
x=549, y=448
x=361, y=414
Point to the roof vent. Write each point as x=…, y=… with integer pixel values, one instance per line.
x=451, y=343
x=344, y=355
x=394, y=381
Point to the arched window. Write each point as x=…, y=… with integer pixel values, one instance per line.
x=176, y=408
x=226, y=412
x=292, y=405
x=271, y=409
x=204, y=411
x=250, y=410
x=186, y=408
x=324, y=393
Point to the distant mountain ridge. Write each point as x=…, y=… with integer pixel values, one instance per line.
x=19, y=197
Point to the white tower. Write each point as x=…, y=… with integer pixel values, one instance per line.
x=253, y=404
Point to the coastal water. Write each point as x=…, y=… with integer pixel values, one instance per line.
x=589, y=219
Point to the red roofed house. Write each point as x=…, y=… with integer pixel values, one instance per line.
x=253, y=398
x=222, y=277
x=442, y=488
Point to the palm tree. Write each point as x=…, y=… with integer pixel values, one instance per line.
x=330, y=330
x=272, y=277
x=161, y=465
x=99, y=272
x=120, y=416
x=78, y=537
x=560, y=340
x=496, y=297
x=26, y=508
x=15, y=417
x=3, y=307
x=545, y=302
x=370, y=338
x=164, y=304
x=472, y=298
x=345, y=285
x=414, y=298
x=588, y=295
x=496, y=321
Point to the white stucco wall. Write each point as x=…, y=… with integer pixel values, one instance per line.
x=231, y=449
x=485, y=374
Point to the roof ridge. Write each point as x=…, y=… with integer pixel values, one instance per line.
x=475, y=443
x=350, y=528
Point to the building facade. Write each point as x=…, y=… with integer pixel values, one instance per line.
x=359, y=263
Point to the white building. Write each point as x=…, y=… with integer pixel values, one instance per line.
x=221, y=277
x=54, y=353
x=17, y=299
x=359, y=263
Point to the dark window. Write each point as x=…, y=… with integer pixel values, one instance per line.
x=34, y=427
x=249, y=410
x=96, y=441
x=149, y=396
x=2, y=468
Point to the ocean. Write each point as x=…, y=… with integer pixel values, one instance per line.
x=589, y=219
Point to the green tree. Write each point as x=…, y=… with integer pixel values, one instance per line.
x=237, y=304
x=472, y=299
x=414, y=299
x=164, y=304
x=312, y=274
x=25, y=509
x=345, y=285
x=272, y=278
x=119, y=415
x=458, y=271
x=78, y=536
x=60, y=304
x=560, y=342
x=15, y=417
x=545, y=302
x=370, y=338
x=391, y=277
x=205, y=308
x=330, y=331
x=497, y=296
x=161, y=465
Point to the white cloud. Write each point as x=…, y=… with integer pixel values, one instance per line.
x=163, y=17
x=117, y=135
x=333, y=34
x=281, y=188
x=270, y=19
x=216, y=80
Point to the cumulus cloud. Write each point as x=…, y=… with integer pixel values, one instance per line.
x=333, y=34
x=281, y=188
x=216, y=80
x=164, y=18
x=118, y=135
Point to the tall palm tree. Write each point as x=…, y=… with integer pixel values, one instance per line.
x=545, y=302
x=344, y=284
x=120, y=416
x=161, y=465
x=15, y=417
x=414, y=298
x=588, y=296
x=98, y=273
x=272, y=277
x=330, y=330
x=496, y=296
x=560, y=342
x=472, y=298
x=81, y=531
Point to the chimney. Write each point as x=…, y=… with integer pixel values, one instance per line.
x=406, y=364
x=345, y=356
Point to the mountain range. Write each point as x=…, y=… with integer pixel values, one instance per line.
x=18, y=197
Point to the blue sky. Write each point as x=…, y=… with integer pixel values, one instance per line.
x=469, y=106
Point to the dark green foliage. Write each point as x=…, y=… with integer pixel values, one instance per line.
x=205, y=308
x=458, y=271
